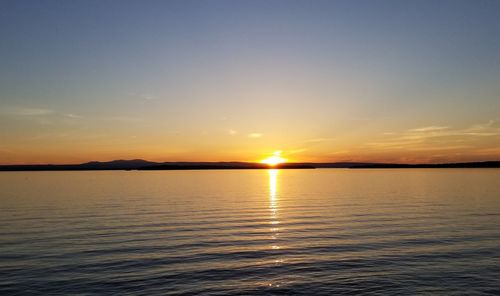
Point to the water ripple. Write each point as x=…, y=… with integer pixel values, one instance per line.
x=262, y=233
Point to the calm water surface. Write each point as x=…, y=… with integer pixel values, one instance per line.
x=251, y=232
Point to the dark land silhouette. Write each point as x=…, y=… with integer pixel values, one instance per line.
x=484, y=164
x=140, y=164
x=226, y=166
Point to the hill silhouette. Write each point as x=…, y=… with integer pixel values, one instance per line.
x=140, y=164
x=225, y=166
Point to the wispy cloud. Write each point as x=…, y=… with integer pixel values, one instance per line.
x=490, y=128
x=41, y=116
x=73, y=116
x=20, y=111
x=438, y=137
x=482, y=126
x=296, y=151
x=318, y=140
x=232, y=132
x=429, y=128
x=255, y=135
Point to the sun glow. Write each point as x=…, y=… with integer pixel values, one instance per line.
x=274, y=160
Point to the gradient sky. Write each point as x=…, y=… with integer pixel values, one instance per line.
x=398, y=81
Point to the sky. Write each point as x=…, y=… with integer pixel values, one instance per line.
x=380, y=81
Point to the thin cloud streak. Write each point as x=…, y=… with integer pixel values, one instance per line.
x=429, y=129
x=20, y=111
x=318, y=140
x=73, y=116
x=255, y=135
x=438, y=138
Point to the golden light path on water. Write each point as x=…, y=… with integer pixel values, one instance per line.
x=274, y=217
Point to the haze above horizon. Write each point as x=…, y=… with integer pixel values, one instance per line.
x=316, y=81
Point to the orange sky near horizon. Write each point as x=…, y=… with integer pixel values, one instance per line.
x=420, y=145
x=321, y=81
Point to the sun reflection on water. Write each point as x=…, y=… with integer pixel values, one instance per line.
x=274, y=220
x=273, y=206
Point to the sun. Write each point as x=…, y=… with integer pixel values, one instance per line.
x=274, y=160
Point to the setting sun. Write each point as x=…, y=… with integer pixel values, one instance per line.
x=275, y=159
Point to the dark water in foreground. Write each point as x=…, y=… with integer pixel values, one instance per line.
x=292, y=232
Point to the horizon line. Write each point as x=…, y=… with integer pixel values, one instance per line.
x=251, y=162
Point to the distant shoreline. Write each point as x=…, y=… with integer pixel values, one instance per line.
x=463, y=165
x=143, y=165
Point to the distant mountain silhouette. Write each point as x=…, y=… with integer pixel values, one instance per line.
x=118, y=164
x=88, y=166
x=140, y=164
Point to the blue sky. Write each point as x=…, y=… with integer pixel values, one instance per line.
x=237, y=80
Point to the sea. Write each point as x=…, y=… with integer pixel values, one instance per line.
x=251, y=232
